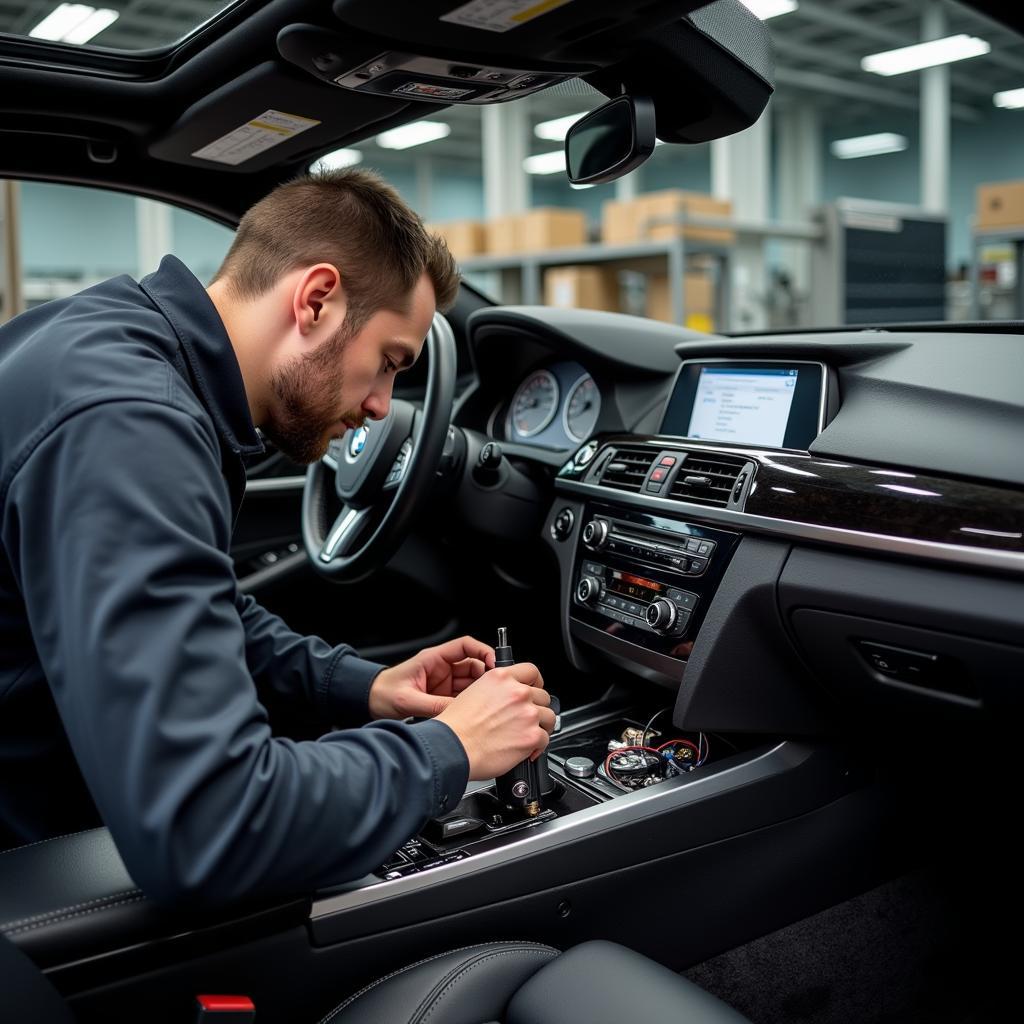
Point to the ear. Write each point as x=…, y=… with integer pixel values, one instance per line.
x=318, y=298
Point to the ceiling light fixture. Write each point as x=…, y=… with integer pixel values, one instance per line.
x=555, y=130
x=925, y=55
x=545, y=163
x=766, y=9
x=1009, y=99
x=868, y=145
x=414, y=134
x=337, y=159
x=74, y=23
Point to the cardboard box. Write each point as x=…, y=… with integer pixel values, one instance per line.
x=504, y=234
x=635, y=220
x=552, y=228
x=587, y=287
x=465, y=238
x=698, y=299
x=1000, y=205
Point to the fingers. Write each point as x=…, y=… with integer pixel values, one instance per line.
x=528, y=674
x=414, y=704
x=547, y=720
x=466, y=647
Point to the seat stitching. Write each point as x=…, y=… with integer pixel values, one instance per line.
x=459, y=973
x=52, y=839
x=63, y=910
x=427, y=960
x=77, y=913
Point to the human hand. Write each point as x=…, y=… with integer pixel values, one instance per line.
x=424, y=685
x=502, y=719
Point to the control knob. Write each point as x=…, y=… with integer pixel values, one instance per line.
x=588, y=589
x=661, y=615
x=595, y=534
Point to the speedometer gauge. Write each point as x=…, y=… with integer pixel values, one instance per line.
x=534, y=404
x=582, y=409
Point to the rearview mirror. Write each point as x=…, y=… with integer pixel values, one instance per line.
x=610, y=141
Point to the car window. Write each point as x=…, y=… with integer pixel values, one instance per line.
x=68, y=238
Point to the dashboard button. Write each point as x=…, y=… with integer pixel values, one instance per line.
x=683, y=598
x=668, y=460
x=697, y=565
x=705, y=547
x=692, y=544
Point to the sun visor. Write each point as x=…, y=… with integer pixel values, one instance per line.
x=268, y=116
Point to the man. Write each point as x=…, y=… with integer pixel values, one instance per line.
x=129, y=661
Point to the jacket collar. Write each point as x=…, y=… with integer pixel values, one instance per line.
x=182, y=299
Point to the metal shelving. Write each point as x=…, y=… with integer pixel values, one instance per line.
x=997, y=236
x=668, y=254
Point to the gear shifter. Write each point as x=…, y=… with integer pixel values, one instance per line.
x=524, y=785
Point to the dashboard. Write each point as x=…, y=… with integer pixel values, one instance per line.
x=816, y=505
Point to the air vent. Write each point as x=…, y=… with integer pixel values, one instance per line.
x=627, y=470
x=706, y=479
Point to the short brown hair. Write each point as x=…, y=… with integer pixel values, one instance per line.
x=352, y=219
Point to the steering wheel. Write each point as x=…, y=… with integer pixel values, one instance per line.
x=382, y=473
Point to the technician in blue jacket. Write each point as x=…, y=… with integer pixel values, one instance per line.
x=129, y=657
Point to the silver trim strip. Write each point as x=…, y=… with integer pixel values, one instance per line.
x=275, y=483
x=1011, y=561
x=622, y=810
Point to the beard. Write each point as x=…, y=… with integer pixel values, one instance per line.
x=307, y=390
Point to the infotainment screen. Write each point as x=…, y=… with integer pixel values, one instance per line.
x=769, y=404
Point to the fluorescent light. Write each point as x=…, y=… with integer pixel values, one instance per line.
x=868, y=145
x=74, y=23
x=766, y=9
x=1010, y=99
x=336, y=160
x=414, y=134
x=555, y=131
x=545, y=163
x=925, y=55
x=92, y=26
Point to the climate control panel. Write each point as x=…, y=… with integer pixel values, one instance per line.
x=644, y=581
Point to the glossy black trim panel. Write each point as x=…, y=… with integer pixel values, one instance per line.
x=846, y=504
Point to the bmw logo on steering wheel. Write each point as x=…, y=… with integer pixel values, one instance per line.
x=358, y=442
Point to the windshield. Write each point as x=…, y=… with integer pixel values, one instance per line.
x=872, y=190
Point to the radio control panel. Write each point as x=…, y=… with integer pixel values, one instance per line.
x=646, y=580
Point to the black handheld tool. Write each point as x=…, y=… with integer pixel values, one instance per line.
x=523, y=786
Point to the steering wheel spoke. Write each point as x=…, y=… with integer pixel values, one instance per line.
x=342, y=535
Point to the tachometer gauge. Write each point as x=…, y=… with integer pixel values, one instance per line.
x=582, y=409
x=534, y=404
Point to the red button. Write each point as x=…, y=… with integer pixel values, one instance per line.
x=658, y=475
x=667, y=461
x=226, y=1004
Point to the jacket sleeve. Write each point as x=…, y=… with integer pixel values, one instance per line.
x=118, y=523
x=333, y=680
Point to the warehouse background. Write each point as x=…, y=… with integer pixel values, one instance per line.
x=766, y=229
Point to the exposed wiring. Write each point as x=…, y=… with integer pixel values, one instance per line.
x=647, y=728
x=622, y=750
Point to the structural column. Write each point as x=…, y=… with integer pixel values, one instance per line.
x=154, y=234
x=935, y=150
x=505, y=136
x=741, y=172
x=800, y=169
x=10, y=258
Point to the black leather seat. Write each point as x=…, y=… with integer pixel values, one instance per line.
x=490, y=983
x=529, y=983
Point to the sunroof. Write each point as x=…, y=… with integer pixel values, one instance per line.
x=111, y=24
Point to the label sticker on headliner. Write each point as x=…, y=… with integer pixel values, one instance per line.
x=500, y=15
x=261, y=133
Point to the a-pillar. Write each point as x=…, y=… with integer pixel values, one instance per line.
x=154, y=234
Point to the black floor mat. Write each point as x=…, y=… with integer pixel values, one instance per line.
x=905, y=952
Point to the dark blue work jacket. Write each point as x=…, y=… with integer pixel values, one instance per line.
x=128, y=657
